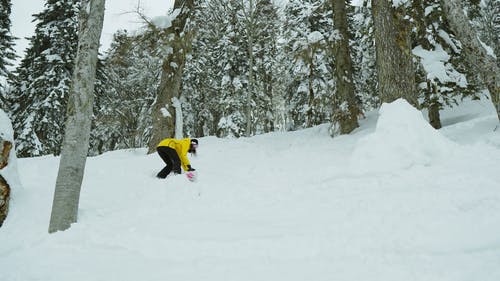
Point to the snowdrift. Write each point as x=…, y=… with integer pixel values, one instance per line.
x=395, y=200
x=402, y=139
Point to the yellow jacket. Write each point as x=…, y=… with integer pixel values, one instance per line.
x=181, y=147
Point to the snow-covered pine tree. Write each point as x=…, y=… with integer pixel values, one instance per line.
x=249, y=27
x=7, y=53
x=233, y=97
x=363, y=46
x=307, y=31
x=282, y=79
x=218, y=82
x=41, y=83
x=266, y=97
x=199, y=84
x=203, y=73
x=443, y=76
x=123, y=111
x=478, y=56
x=258, y=24
x=216, y=78
x=488, y=24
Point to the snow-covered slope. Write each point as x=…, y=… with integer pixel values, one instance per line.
x=395, y=200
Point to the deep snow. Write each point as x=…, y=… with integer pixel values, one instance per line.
x=395, y=200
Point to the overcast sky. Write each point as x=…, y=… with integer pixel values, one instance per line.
x=117, y=16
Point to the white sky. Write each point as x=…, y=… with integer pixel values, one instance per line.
x=117, y=16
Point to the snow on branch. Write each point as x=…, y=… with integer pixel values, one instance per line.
x=165, y=21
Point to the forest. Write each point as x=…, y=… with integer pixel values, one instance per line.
x=234, y=68
x=228, y=70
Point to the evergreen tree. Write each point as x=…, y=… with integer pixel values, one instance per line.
x=489, y=25
x=123, y=111
x=364, y=58
x=219, y=81
x=443, y=75
x=41, y=85
x=205, y=69
x=7, y=53
x=233, y=97
x=266, y=64
x=308, y=34
x=478, y=57
x=282, y=79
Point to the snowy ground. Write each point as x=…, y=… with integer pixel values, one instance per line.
x=395, y=200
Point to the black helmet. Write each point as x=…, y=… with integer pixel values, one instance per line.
x=193, y=145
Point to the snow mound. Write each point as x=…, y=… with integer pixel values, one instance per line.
x=9, y=172
x=402, y=139
x=6, y=131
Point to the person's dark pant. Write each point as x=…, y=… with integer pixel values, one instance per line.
x=171, y=159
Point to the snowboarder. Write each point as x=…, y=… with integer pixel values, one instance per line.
x=174, y=154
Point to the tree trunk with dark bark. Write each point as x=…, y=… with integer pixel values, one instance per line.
x=346, y=110
x=164, y=114
x=434, y=117
x=396, y=74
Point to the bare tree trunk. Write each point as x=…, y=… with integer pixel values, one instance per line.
x=345, y=120
x=396, y=73
x=251, y=83
x=476, y=54
x=76, y=139
x=250, y=28
x=433, y=105
x=434, y=117
x=310, y=102
x=171, y=78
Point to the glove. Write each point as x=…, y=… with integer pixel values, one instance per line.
x=190, y=169
x=191, y=176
